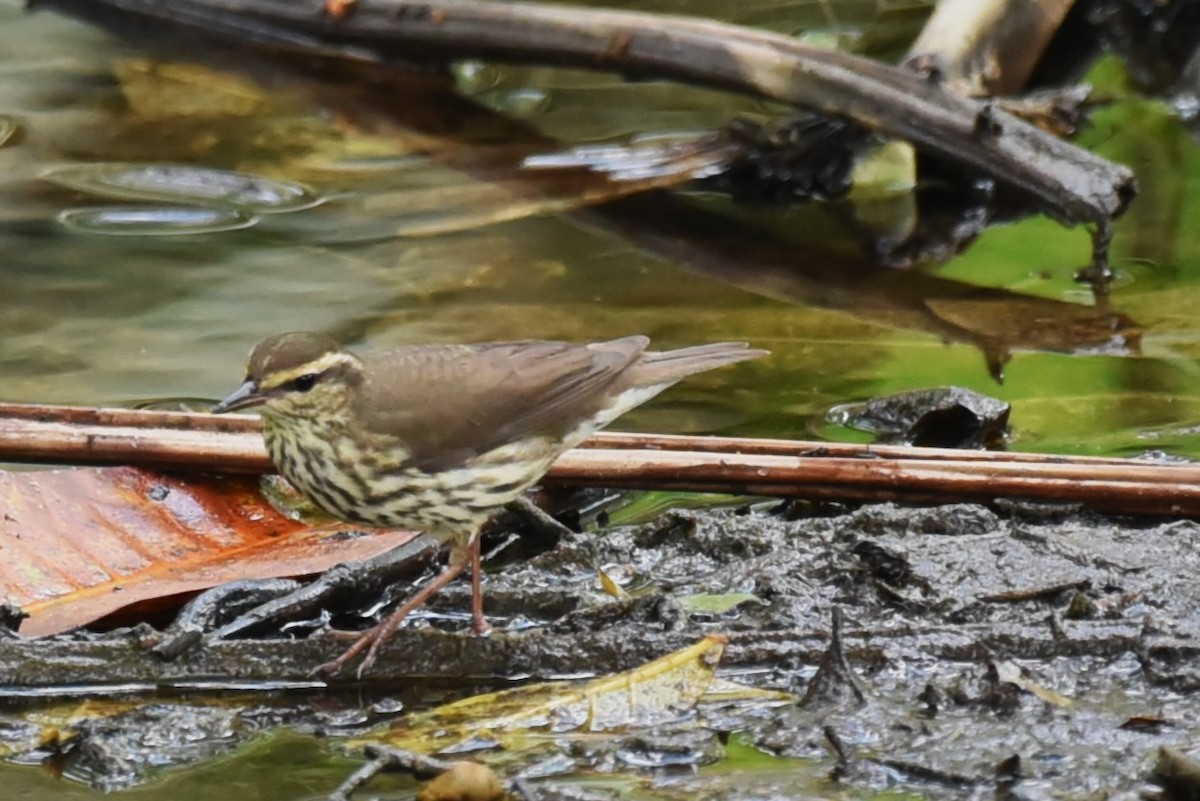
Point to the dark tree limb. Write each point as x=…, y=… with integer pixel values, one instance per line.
x=1072, y=184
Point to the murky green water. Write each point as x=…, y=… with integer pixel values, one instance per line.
x=97, y=318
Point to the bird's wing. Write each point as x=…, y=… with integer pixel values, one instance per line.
x=450, y=402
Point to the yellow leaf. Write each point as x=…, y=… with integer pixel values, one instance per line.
x=644, y=696
x=611, y=587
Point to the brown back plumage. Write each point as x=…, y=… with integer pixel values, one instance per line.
x=452, y=402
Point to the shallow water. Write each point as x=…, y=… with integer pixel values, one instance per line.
x=127, y=316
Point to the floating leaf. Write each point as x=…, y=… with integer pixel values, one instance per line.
x=716, y=604
x=177, y=183
x=155, y=220
x=77, y=545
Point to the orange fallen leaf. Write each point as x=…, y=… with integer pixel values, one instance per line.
x=77, y=545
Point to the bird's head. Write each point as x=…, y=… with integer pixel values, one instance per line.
x=296, y=375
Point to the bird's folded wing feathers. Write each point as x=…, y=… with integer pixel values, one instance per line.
x=451, y=402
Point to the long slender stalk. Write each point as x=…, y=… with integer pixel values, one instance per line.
x=781, y=468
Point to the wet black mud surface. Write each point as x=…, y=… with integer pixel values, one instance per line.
x=1023, y=650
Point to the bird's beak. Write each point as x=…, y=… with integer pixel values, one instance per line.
x=243, y=397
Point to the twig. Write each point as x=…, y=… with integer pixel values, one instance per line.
x=58, y=435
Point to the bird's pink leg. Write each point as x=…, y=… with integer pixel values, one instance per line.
x=478, y=622
x=377, y=636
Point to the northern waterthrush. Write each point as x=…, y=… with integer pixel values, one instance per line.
x=440, y=437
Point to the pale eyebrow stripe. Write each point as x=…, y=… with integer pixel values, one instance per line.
x=326, y=362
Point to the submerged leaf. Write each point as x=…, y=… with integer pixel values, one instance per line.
x=164, y=90
x=8, y=128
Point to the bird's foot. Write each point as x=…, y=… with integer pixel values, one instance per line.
x=375, y=638
x=370, y=641
x=381, y=633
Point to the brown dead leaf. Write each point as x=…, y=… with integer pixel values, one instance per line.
x=77, y=545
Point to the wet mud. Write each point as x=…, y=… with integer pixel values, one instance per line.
x=1016, y=649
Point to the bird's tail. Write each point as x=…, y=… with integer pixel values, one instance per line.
x=669, y=366
x=654, y=371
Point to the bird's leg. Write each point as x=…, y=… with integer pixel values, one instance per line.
x=377, y=636
x=478, y=621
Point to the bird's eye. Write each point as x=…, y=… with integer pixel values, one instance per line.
x=305, y=382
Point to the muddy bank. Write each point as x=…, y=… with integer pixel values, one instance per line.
x=1064, y=639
